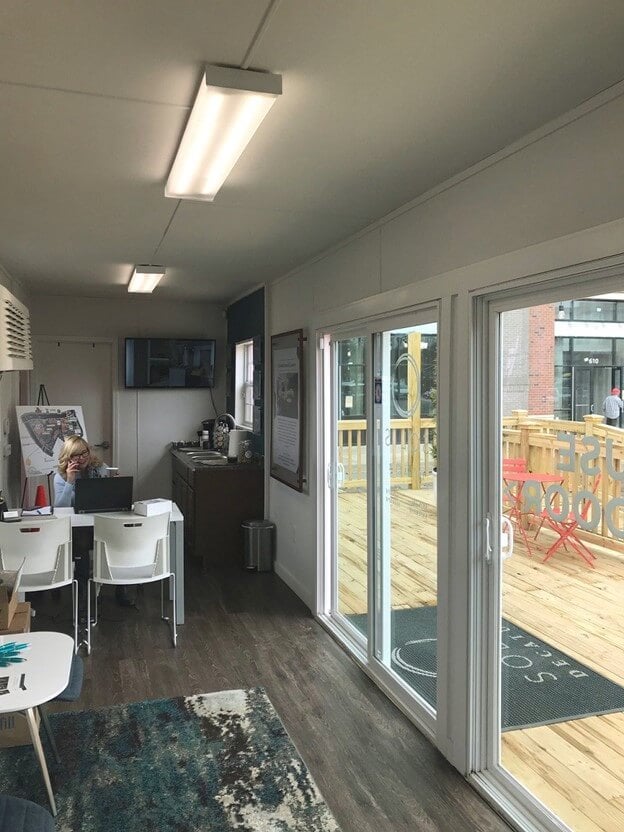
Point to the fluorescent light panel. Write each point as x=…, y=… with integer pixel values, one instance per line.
x=145, y=278
x=229, y=107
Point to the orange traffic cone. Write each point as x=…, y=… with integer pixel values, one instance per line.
x=40, y=497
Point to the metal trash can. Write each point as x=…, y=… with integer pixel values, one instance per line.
x=258, y=545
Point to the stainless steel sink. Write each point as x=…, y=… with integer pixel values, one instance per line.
x=197, y=452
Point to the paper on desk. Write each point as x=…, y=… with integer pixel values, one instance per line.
x=37, y=512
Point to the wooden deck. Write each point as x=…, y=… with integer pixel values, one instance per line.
x=575, y=768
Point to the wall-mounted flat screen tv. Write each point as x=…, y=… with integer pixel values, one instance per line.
x=165, y=363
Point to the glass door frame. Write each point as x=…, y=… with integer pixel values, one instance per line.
x=517, y=803
x=364, y=651
x=327, y=596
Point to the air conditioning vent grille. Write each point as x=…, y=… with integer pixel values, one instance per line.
x=15, y=340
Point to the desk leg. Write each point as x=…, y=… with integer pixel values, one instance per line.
x=36, y=741
x=176, y=543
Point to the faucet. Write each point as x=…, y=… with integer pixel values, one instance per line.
x=229, y=420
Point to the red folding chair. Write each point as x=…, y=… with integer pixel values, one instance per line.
x=566, y=531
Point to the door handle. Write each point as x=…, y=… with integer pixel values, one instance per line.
x=488, y=538
x=105, y=444
x=507, y=537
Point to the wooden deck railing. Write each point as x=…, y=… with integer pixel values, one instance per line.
x=533, y=438
x=410, y=462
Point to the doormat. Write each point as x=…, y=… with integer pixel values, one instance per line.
x=219, y=761
x=539, y=684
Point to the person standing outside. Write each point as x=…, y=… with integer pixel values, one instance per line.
x=612, y=407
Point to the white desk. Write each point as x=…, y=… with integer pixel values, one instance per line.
x=46, y=674
x=176, y=547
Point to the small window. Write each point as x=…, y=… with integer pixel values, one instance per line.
x=244, y=384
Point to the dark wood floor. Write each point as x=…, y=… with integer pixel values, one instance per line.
x=375, y=770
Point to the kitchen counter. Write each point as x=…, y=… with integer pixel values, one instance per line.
x=185, y=458
x=215, y=500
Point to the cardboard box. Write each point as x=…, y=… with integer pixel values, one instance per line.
x=156, y=506
x=14, y=730
x=9, y=587
x=20, y=622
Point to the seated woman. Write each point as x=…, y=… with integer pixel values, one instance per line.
x=76, y=461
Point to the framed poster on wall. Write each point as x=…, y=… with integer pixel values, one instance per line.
x=287, y=415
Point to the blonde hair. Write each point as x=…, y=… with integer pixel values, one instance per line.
x=75, y=445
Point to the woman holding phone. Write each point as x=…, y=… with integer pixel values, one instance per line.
x=77, y=461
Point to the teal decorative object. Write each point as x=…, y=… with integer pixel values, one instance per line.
x=217, y=762
x=10, y=653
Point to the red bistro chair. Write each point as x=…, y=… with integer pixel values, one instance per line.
x=566, y=529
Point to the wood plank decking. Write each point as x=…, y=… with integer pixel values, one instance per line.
x=574, y=768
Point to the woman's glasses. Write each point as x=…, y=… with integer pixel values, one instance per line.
x=81, y=455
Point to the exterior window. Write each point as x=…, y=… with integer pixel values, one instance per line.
x=593, y=310
x=590, y=309
x=244, y=384
x=352, y=382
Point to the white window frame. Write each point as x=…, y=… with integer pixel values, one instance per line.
x=243, y=384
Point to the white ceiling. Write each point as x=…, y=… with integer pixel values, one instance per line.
x=383, y=99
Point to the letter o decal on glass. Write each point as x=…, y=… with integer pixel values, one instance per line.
x=610, y=515
x=578, y=501
x=507, y=663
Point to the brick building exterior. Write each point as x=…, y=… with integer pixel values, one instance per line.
x=541, y=363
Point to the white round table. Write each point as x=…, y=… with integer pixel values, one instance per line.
x=46, y=671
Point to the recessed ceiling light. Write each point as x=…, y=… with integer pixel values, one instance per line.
x=145, y=278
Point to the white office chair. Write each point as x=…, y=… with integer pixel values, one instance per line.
x=43, y=545
x=130, y=549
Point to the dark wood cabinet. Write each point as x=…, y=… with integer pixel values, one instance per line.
x=215, y=501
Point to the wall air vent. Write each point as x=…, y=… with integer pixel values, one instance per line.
x=15, y=343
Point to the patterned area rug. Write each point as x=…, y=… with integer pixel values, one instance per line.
x=210, y=763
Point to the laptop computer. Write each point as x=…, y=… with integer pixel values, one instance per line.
x=103, y=494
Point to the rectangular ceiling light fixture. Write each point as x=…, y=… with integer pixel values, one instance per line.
x=145, y=278
x=229, y=107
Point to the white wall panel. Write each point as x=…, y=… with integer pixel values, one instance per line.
x=352, y=273
x=558, y=185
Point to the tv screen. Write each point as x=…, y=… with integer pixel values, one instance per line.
x=170, y=362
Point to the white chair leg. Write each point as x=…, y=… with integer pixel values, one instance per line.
x=75, y=606
x=162, y=601
x=172, y=579
x=96, y=599
x=89, y=582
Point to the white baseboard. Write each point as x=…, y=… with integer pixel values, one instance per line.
x=297, y=587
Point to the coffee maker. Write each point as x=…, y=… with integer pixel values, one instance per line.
x=223, y=425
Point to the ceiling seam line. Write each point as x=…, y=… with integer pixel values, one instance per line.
x=262, y=27
x=164, y=234
x=106, y=97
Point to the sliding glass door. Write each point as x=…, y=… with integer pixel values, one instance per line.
x=554, y=584
x=381, y=444
x=405, y=556
x=347, y=477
